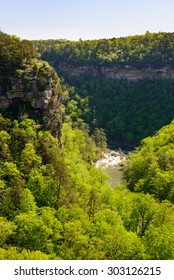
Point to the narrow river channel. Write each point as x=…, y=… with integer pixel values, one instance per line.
x=112, y=163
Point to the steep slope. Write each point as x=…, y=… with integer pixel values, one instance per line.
x=151, y=168
x=27, y=85
x=53, y=203
x=126, y=72
x=34, y=90
x=126, y=84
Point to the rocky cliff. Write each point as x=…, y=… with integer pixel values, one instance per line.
x=125, y=72
x=37, y=84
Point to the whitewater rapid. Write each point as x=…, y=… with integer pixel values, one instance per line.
x=110, y=159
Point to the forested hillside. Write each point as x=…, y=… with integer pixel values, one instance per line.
x=152, y=166
x=151, y=49
x=130, y=107
x=127, y=111
x=54, y=204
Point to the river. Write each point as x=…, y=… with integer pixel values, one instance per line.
x=112, y=163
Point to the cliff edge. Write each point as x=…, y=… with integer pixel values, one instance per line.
x=36, y=85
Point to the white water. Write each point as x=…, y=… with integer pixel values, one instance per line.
x=112, y=158
x=111, y=162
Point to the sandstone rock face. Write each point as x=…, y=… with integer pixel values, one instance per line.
x=38, y=88
x=35, y=83
x=125, y=72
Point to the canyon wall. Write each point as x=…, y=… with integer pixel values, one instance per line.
x=125, y=72
x=36, y=83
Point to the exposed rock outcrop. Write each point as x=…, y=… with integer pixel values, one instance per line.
x=124, y=72
x=37, y=84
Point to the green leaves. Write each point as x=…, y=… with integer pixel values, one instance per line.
x=7, y=230
x=27, y=201
x=144, y=209
x=31, y=232
x=151, y=168
x=55, y=205
x=12, y=253
x=155, y=49
x=29, y=160
x=159, y=242
x=13, y=52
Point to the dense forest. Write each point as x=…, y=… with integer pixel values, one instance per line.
x=151, y=49
x=54, y=204
x=13, y=52
x=127, y=110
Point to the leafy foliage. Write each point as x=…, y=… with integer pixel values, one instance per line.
x=13, y=52
x=55, y=205
x=151, y=168
x=128, y=111
x=154, y=49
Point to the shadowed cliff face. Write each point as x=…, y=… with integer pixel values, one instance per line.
x=125, y=72
x=37, y=86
